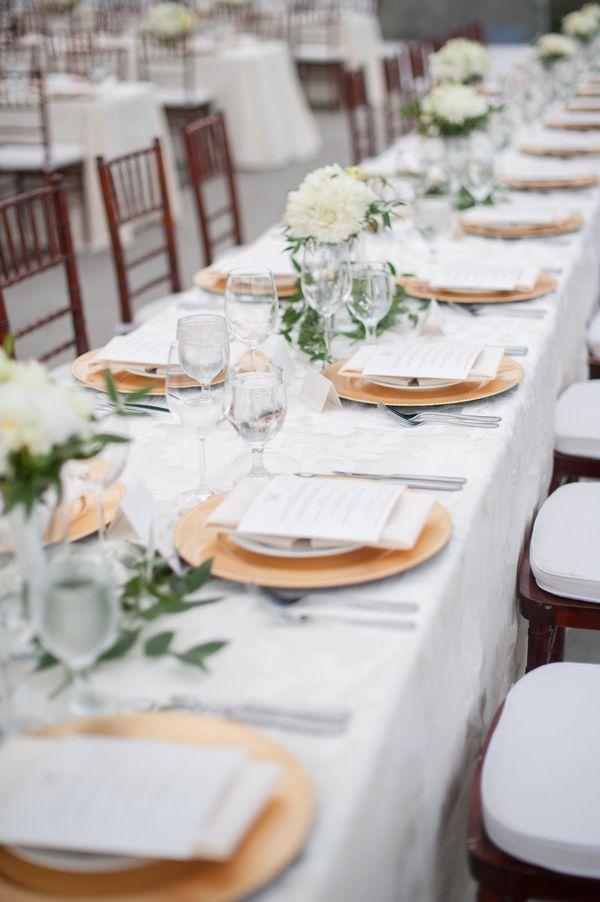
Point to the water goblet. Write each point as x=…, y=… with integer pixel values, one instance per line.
x=433, y=219
x=326, y=282
x=371, y=295
x=256, y=407
x=107, y=466
x=251, y=306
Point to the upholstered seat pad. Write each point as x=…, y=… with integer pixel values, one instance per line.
x=31, y=158
x=565, y=543
x=540, y=787
x=593, y=335
x=577, y=420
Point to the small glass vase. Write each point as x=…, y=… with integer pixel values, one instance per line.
x=26, y=538
x=456, y=155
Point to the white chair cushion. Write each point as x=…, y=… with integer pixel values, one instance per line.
x=564, y=553
x=577, y=420
x=593, y=335
x=540, y=789
x=319, y=53
x=31, y=158
x=178, y=97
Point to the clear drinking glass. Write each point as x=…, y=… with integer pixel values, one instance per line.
x=107, y=465
x=13, y=626
x=194, y=401
x=371, y=295
x=256, y=406
x=433, y=218
x=480, y=169
x=79, y=621
x=326, y=282
x=204, y=346
x=251, y=306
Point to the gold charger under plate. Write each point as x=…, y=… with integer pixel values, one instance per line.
x=569, y=224
x=565, y=125
x=510, y=374
x=586, y=181
x=538, y=150
x=215, y=283
x=270, y=846
x=417, y=288
x=91, y=374
x=196, y=544
x=575, y=108
x=589, y=92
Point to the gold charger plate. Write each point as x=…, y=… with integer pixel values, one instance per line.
x=510, y=374
x=588, y=92
x=196, y=544
x=575, y=108
x=417, y=288
x=573, y=126
x=270, y=846
x=215, y=282
x=556, y=185
x=536, y=150
x=85, y=370
x=568, y=224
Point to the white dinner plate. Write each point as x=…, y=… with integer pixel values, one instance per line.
x=431, y=383
x=302, y=548
x=79, y=862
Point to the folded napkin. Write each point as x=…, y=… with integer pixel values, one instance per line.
x=575, y=118
x=401, y=530
x=484, y=367
x=506, y=216
x=545, y=171
x=471, y=275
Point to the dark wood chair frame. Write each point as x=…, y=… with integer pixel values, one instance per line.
x=130, y=194
x=399, y=95
x=209, y=159
x=502, y=878
x=360, y=115
x=26, y=250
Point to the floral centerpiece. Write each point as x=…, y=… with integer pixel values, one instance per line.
x=169, y=21
x=59, y=7
x=581, y=25
x=453, y=110
x=592, y=9
x=461, y=60
x=552, y=48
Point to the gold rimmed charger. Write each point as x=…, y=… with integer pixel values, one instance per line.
x=196, y=544
x=586, y=181
x=269, y=847
x=215, y=282
x=510, y=374
x=89, y=370
x=574, y=107
x=593, y=91
x=565, y=125
x=417, y=288
x=571, y=223
x=539, y=150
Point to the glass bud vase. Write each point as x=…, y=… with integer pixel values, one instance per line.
x=456, y=153
x=24, y=532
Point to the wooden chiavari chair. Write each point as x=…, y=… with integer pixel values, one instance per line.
x=475, y=32
x=399, y=94
x=360, y=115
x=320, y=60
x=117, y=16
x=78, y=53
x=134, y=189
x=209, y=161
x=35, y=236
x=420, y=52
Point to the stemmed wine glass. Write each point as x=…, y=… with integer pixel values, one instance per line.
x=194, y=361
x=480, y=170
x=107, y=466
x=256, y=406
x=326, y=282
x=251, y=306
x=79, y=621
x=371, y=295
x=432, y=217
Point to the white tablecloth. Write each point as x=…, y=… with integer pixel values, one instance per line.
x=391, y=792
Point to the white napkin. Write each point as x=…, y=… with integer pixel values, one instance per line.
x=485, y=367
x=507, y=215
x=267, y=252
x=472, y=275
x=401, y=531
x=575, y=118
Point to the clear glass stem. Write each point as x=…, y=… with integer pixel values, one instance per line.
x=83, y=702
x=203, y=488
x=370, y=332
x=100, y=518
x=327, y=323
x=7, y=724
x=258, y=467
x=252, y=355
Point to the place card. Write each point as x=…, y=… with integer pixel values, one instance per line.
x=414, y=359
x=318, y=392
x=433, y=322
x=345, y=510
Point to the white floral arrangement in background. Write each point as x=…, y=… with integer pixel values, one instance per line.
x=581, y=25
x=333, y=205
x=551, y=48
x=169, y=21
x=592, y=9
x=453, y=110
x=461, y=60
x=57, y=6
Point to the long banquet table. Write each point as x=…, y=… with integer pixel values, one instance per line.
x=391, y=792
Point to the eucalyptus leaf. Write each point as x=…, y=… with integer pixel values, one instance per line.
x=158, y=645
x=198, y=653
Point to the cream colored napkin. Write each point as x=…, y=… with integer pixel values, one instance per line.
x=485, y=367
x=401, y=532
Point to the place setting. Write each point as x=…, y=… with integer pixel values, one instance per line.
x=519, y=221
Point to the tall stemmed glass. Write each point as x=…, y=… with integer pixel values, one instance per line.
x=326, y=282
x=371, y=295
x=192, y=397
x=107, y=466
x=251, y=306
x=79, y=621
x=256, y=405
x=432, y=217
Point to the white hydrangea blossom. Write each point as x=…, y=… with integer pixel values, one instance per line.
x=453, y=108
x=592, y=9
x=552, y=47
x=37, y=413
x=461, y=60
x=331, y=205
x=168, y=20
x=581, y=25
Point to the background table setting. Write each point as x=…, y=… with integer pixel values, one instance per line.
x=310, y=474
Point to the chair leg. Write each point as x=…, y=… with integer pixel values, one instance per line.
x=557, y=477
x=558, y=646
x=539, y=644
x=485, y=895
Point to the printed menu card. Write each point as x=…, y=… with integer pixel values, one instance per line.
x=436, y=359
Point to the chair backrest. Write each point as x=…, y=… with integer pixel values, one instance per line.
x=208, y=157
x=360, y=115
x=117, y=16
x=134, y=188
x=24, y=110
x=35, y=235
x=475, y=31
x=399, y=94
x=169, y=64
x=78, y=53
x=420, y=52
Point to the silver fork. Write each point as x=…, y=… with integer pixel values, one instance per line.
x=419, y=418
x=423, y=420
